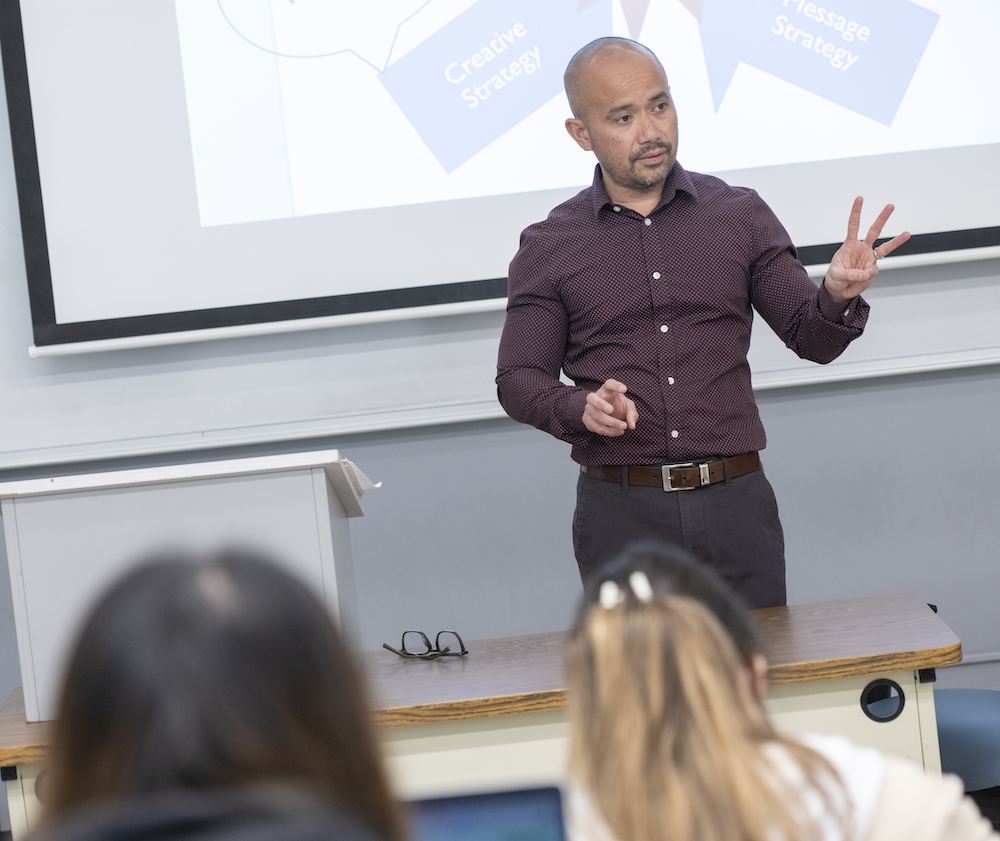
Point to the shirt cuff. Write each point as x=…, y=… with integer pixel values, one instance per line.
x=837, y=313
x=574, y=430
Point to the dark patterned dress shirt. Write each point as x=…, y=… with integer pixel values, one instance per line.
x=662, y=304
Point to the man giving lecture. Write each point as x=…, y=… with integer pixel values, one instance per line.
x=640, y=288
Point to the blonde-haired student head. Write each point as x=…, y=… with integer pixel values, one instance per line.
x=670, y=740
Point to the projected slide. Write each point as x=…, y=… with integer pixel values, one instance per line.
x=410, y=101
x=213, y=162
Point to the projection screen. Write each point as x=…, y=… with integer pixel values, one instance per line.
x=193, y=164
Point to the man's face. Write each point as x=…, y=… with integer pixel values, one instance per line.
x=630, y=123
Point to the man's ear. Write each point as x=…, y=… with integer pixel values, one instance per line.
x=578, y=131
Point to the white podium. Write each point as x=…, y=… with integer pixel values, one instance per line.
x=69, y=537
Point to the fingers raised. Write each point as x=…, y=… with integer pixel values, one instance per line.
x=888, y=247
x=854, y=220
x=878, y=224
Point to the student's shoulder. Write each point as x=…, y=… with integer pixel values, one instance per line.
x=918, y=806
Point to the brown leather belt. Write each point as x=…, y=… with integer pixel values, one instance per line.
x=679, y=477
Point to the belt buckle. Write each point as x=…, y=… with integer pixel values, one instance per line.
x=666, y=468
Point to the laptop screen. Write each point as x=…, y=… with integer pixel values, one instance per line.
x=528, y=815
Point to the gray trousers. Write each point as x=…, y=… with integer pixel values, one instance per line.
x=734, y=528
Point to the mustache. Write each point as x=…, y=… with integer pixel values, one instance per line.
x=644, y=150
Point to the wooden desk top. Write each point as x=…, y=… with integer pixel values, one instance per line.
x=803, y=642
x=523, y=674
x=854, y=637
x=499, y=676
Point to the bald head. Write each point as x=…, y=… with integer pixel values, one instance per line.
x=623, y=113
x=576, y=78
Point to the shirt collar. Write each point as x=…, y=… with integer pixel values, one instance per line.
x=677, y=180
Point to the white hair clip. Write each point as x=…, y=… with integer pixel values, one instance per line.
x=611, y=595
x=641, y=586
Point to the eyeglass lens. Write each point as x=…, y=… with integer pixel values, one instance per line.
x=459, y=649
x=413, y=641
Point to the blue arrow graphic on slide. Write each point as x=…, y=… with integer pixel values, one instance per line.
x=856, y=53
x=490, y=68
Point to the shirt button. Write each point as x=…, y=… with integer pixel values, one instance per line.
x=846, y=312
x=674, y=433
x=656, y=275
x=649, y=221
x=670, y=380
x=663, y=328
x=617, y=209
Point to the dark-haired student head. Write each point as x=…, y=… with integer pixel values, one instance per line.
x=215, y=692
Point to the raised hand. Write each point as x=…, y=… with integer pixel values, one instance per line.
x=608, y=411
x=853, y=267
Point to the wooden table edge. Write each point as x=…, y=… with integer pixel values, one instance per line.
x=927, y=658
x=467, y=708
x=24, y=755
